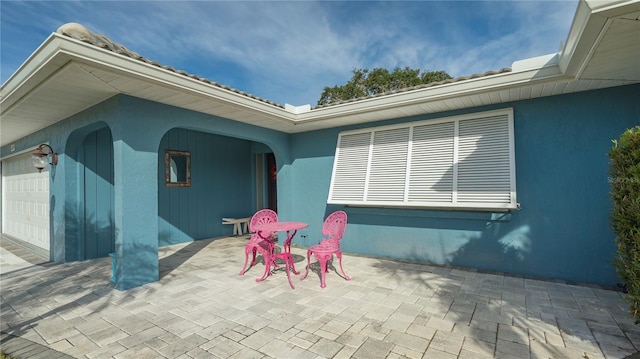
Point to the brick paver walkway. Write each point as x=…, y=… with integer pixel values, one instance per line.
x=202, y=308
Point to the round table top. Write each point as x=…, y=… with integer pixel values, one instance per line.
x=280, y=226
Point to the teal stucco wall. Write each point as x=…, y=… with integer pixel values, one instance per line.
x=562, y=230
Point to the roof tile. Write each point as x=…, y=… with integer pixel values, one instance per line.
x=79, y=32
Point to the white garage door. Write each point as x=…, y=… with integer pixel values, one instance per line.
x=25, y=201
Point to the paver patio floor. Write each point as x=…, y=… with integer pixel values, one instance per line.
x=202, y=308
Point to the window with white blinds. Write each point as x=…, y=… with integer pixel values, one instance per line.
x=464, y=162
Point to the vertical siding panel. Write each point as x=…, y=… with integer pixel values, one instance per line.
x=197, y=143
x=183, y=192
x=174, y=215
x=209, y=178
x=104, y=187
x=79, y=211
x=164, y=212
x=90, y=200
x=174, y=205
x=112, y=206
x=202, y=169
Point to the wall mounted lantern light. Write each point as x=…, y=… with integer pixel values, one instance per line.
x=40, y=159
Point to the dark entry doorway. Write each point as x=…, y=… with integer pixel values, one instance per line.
x=272, y=188
x=266, y=181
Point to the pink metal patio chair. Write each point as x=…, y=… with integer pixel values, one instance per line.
x=333, y=229
x=257, y=244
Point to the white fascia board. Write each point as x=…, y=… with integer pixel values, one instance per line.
x=613, y=8
x=436, y=93
x=589, y=25
x=67, y=49
x=163, y=77
x=34, y=65
x=584, y=30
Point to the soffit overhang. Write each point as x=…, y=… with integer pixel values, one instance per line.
x=65, y=76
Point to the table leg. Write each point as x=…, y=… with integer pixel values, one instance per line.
x=288, y=261
x=287, y=250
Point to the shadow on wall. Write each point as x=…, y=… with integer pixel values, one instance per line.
x=99, y=238
x=83, y=236
x=141, y=261
x=490, y=241
x=88, y=238
x=495, y=249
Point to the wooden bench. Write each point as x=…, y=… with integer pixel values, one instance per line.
x=240, y=225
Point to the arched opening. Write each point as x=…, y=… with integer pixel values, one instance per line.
x=228, y=177
x=90, y=224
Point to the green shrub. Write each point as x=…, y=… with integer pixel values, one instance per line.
x=625, y=217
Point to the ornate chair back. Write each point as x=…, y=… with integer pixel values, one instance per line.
x=333, y=228
x=261, y=217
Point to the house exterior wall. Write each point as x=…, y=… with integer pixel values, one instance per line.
x=137, y=128
x=562, y=230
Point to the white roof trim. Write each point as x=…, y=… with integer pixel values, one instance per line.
x=590, y=23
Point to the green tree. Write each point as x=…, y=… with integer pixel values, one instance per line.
x=625, y=216
x=367, y=82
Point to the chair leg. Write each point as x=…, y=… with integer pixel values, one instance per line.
x=323, y=269
x=323, y=259
x=246, y=260
x=339, y=255
x=253, y=261
x=267, y=266
x=308, y=265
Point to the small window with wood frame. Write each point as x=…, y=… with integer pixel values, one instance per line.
x=177, y=168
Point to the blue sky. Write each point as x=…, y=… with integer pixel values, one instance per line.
x=288, y=52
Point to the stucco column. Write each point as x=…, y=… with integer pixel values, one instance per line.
x=136, y=215
x=135, y=147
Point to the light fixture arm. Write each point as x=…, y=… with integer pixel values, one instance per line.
x=40, y=158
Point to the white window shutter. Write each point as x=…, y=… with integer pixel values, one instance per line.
x=350, y=168
x=388, y=165
x=484, y=170
x=431, y=176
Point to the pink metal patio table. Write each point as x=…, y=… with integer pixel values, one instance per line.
x=291, y=228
